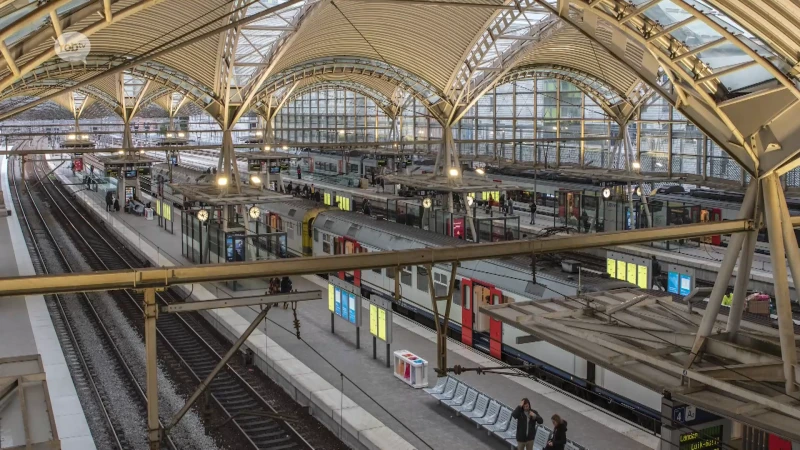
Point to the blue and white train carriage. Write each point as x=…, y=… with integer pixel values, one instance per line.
x=312, y=230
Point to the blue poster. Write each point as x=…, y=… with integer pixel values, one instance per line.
x=352, y=308
x=345, y=307
x=337, y=301
x=672, y=282
x=686, y=284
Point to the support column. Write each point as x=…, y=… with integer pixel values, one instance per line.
x=724, y=276
x=441, y=327
x=127, y=139
x=743, y=276
x=774, y=202
x=150, y=316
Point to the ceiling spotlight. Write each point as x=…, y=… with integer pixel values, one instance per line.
x=427, y=202
x=181, y=134
x=85, y=137
x=70, y=137
x=254, y=212
x=658, y=164
x=636, y=165
x=639, y=191
x=286, y=147
x=169, y=135
x=259, y=134
x=453, y=172
x=255, y=179
x=121, y=152
x=470, y=200
x=267, y=148
x=479, y=171
x=222, y=181
x=606, y=193
x=202, y=215
x=341, y=131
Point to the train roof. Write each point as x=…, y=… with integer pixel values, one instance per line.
x=391, y=236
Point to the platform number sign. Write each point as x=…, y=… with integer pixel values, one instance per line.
x=684, y=414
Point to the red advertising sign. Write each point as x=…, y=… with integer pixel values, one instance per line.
x=78, y=162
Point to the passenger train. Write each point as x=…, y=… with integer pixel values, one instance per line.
x=312, y=230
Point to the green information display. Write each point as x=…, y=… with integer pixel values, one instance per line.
x=705, y=439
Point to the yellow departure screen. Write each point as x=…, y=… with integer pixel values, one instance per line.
x=167, y=210
x=632, y=273
x=373, y=320
x=643, y=280
x=158, y=207
x=330, y=297
x=621, y=270
x=611, y=267
x=382, y=324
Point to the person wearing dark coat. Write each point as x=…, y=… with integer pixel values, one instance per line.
x=116, y=205
x=527, y=421
x=559, y=438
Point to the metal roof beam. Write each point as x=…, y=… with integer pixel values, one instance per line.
x=168, y=276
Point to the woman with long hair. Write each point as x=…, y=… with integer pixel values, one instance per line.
x=559, y=438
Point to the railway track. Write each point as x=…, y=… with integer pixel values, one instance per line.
x=42, y=245
x=239, y=405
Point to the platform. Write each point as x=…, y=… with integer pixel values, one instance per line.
x=26, y=329
x=589, y=425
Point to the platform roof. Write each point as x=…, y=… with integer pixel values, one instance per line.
x=646, y=336
x=464, y=184
x=213, y=195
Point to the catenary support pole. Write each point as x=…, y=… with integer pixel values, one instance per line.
x=777, y=252
x=777, y=201
x=222, y=363
x=723, y=276
x=151, y=367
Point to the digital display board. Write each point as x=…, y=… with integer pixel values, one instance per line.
x=672, y=282
x=344, y=304
x=706, y=439
x=274, y=169
x=255, y=167
x=643, y=280
x=337, y=299
x=621, y=270
x=631, y=273
x=611, y=267
x=686, y=284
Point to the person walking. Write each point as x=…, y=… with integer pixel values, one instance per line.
x=289, y=187
x=503, y=203
x=655, y=269
x=527, y=422
x=533, y=212
x=558, y=440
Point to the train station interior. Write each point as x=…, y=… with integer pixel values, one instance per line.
x=399, y=224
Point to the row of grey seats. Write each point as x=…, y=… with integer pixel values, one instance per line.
x=482, y=410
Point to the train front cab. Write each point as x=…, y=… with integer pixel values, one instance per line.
x=474, y=294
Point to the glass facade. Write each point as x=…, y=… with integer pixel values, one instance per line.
x=507, y=119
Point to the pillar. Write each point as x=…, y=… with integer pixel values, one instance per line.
x=151, y=368
x=724, y=275
x=127, y=139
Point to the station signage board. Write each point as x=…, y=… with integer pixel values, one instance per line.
x=343, y=302
x=380, y=318
x=630, y=268
x=709, y=438
x=680, y=280
x=255, y=166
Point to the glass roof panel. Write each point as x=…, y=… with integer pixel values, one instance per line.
x=35, y=25
x=723, y=55
x=696, y=34
x=666, y=13
x=750, y=76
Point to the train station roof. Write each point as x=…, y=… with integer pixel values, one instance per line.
x=647, y=336
x=715, y=60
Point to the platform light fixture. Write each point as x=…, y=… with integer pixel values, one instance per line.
x=255, y=179
x=202, y=215
x=285, y=147
x=658, y=164
x=453, y=172
x=222, y=181
x=427, y=202
x=259, y=133
x=639, y=191
x=267, y=148
x=470, y=200
x=85, y=137
x=341, y=131
x=636, y=165
x=606, y=193
x=480, y=171
x=254, y=212
x=70, y=137
x=121, y=152
x=181, y=134
x=169, y=135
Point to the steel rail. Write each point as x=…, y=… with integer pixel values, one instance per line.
x=169, y=276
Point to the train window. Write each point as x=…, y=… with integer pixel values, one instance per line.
x=390, y=272
x=378, y=271
x=316, y=235
x=422, y=279
x=440, y=284
x=405, y=276
x=326, y=247
x=467, y=297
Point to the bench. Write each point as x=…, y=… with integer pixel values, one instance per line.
x=482, y=410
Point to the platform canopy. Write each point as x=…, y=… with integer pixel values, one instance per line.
x=213, y=195
x=647, y=336
x=717, y=61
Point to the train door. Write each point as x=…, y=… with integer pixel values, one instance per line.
x=711, y=215
x=347, y=246
x=482, y=294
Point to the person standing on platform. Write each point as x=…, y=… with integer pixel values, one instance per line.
x=289, y=188
x=533, y=212
x=585, y=221
x=116, y=205
x=527, y=422
x=559, y=439
x=510, y=206
x=286, y=287
x=299, y=173
x=109, y=201
x=655, y=269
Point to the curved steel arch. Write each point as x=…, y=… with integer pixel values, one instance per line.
x=429, y=96
x=51, y=83
x=381, y=101
x=161, y=74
